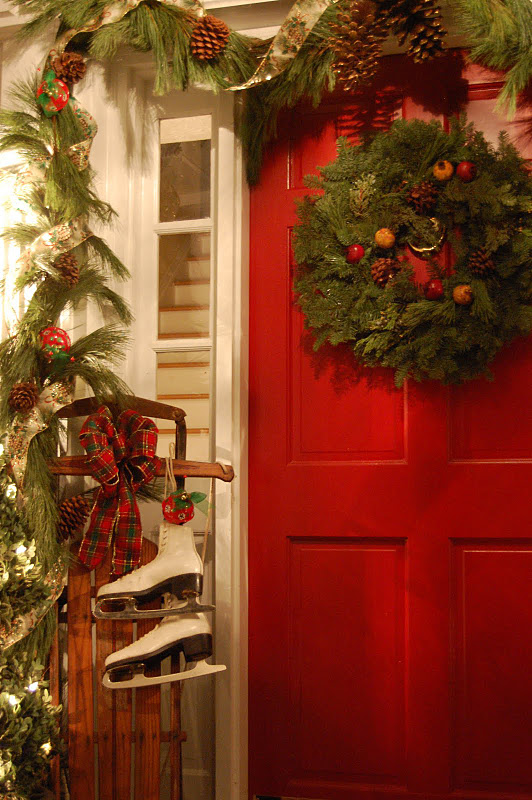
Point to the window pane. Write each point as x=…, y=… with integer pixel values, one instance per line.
x=183, y=380
x=184, y=285
x=185, y=169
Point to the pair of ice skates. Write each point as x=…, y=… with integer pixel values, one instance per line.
x=177, y=573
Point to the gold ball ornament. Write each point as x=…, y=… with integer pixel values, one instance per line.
x=443, y=170
x=385, y=238
x=463, y=294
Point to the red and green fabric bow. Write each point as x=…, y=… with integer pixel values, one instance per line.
x=121, y=458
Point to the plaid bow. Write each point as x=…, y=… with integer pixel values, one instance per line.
x=121, y=458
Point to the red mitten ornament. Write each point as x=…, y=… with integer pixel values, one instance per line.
x=52, y=94
x=178, y=507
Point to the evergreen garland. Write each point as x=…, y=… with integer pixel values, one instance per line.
x=28, y=730
x=31, y=557
x=165, y=31
x=487, y=220
x=499, y=33
x=22, y=584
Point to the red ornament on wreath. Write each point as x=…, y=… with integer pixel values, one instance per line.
x=54, y=341
x=178, y=508
x=355, y=252
x=433, y=290
x=466, y=171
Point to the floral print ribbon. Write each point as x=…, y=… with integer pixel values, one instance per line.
x=21, y=626
x=288, y=40
x=25, y=426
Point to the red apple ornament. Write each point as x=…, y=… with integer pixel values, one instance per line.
x=433, y=290
x=178, y=508
x=355, y=252
x=466, y=171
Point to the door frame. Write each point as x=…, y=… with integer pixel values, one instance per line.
x=230, y=235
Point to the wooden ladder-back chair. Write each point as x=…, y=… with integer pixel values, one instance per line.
x=112, y=740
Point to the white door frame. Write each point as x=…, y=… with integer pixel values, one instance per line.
x=230, y=361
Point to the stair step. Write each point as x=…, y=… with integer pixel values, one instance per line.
x=196, y=407
x=187, y=320
x=184, y=308
x=183, y=397
x=177, y=378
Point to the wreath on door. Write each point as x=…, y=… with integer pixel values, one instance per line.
x=417, y=192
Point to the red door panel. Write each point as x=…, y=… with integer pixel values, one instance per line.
x=390, y=548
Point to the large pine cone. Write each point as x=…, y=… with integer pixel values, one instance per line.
x=422, y=197
x=67, y=266
x=72, y=516
x=209, y=38
x=69, y=67
x=23, y=396
x=383, y=270
x=356, y=38
x=420, y=21
x=480, y=262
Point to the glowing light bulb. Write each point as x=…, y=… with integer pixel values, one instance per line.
x=33, y=686
x=1, y=449
x=12, y=700
x=46, y=747
x=11, y=491
x=20, y=549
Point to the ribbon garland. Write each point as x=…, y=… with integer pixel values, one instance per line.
x=23, y=625
x=284, y=47
x=122, y=459
x=61, y=238
x=25, y=426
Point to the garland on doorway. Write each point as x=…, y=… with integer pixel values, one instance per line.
x=317, y=42
x=499, y=33
x=406, y=193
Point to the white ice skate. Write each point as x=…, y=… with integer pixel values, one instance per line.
x=177, y=568
x=189, y=634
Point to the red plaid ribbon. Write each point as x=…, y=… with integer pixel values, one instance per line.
x=121, y=458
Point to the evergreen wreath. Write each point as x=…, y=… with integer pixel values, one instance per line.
x=404, y=192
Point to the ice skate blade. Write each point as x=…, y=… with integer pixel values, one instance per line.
x=130, y=610
x=138, y=679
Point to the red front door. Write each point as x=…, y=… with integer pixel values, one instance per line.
x=390, y=545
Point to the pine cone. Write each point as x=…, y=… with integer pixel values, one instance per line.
x=480, y=262
x=420, y=21
x=69, y=67
x=422, y=197
x=23, y=396
x=67, y=266
x=383, y=270
x=72, y=516
x=356, y=37
x=209, y=38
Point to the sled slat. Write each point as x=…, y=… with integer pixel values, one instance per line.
x=105, y=701
x=123, y=720
x=55, y=692
x=147, y=717
x=80, y=686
